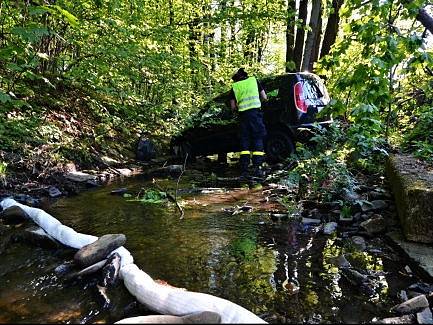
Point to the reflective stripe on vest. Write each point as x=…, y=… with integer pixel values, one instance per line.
x=245, y=152
x=247, y=94
x=258, y=153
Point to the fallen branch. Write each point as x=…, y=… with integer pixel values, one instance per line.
x=170, y=197
x=177, y=183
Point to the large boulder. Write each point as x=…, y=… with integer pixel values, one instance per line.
x=99, y=249
x=412, y=184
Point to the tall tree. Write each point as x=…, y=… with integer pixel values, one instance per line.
x=425, y=19
x=317, y=41
x=290, y=35
x=300, y=33
x=331, y=28
x=312, y=33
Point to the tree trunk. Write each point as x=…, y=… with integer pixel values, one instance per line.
x=425, y=19
x=311, y=37
x=290, y=35
x=331, y=28
x=249, y=46
x=300, y=33
x=316, y=46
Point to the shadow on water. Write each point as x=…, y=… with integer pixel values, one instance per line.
x=280, y=270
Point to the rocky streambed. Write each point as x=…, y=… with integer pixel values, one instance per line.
x=284, y=258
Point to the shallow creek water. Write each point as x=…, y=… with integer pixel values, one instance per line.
x=245, y=257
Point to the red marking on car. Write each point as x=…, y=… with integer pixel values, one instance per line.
x=300, y=103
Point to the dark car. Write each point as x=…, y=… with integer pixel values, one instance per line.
x=294, y=99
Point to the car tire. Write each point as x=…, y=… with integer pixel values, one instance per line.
x=184, y=150
x=279, y=146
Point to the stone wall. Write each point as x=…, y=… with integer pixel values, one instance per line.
x=412, y=184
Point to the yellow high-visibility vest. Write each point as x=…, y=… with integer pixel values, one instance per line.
x=247, y=94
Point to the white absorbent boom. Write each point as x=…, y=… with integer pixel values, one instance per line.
x=157, y=297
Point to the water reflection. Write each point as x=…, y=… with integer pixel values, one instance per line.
x=270, y=267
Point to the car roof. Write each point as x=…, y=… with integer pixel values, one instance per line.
x=268, y=82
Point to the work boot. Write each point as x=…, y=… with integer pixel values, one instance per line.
x=244, y=175
x=258, y=172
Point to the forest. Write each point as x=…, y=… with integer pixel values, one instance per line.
x=83, y=82
x=81, y=77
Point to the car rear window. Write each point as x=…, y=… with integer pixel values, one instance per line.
x=314, y=88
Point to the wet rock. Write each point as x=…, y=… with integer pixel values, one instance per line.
x=424, y=316
x=375, y=225
x=311, y=221
x=367, y=206
x=358, y=242
x=341, y=261
x=91, y=183
x=99, y=250
x=357, y=216
x=402, y=295
x=329, y=228
x=124, y=171
x=64, y=268
x=80, y=177
x=54, y=192
x=35, y=235
x=412, y=305
x=119, y=191
x=406, y=319
x=378, y=194
x=170, y=170
x=13, y=215
x=27, y=200
x=422, y=288
x=280, y=216
x=354, y=276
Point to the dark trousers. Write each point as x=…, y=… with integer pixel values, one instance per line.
x=253, y=133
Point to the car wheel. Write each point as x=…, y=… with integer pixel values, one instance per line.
x=183, y=150
x=279, y=146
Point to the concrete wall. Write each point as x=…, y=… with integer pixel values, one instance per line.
x=412, y=184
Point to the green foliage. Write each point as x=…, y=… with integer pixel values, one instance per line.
x=153, y=196
x=370, y=70
x=419, y=139
x=3, y=166
x=324, y=164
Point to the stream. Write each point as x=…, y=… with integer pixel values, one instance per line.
x=279, y=268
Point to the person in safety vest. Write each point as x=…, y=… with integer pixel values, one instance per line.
x=246, y=96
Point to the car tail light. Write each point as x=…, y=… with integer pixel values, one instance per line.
x=300, y=103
